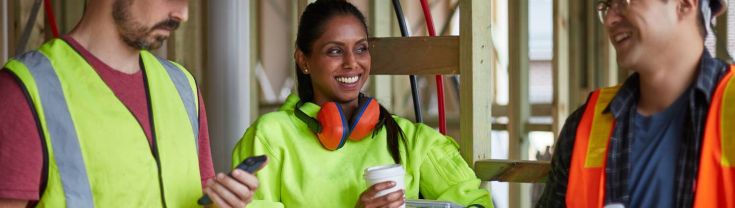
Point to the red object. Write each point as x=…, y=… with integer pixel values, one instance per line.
x=586, y=186
x=365, y=120
x=336, y=128
x=715, y=184
x=439, y=77
x=716, y=181
x=51, y=18
x=20, y=145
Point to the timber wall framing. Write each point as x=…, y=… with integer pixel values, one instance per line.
x=583, y=60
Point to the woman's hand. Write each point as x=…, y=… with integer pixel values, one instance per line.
x=236, y=191
x=368, y=199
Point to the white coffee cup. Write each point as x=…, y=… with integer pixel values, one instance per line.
x=615, y=205
x=384, y=173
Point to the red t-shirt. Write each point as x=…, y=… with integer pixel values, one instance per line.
x=21, y=156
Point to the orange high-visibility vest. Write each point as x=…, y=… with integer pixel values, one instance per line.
x=586, y=186
x=715, y=186
x=716, y=178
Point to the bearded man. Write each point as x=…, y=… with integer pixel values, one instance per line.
x=93, y=119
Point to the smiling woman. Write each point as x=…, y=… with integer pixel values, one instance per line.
x=321, y=140
x=338, y=63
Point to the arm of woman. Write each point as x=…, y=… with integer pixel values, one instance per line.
x=268, y=192
x=446, y=176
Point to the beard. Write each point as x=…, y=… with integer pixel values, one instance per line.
x=136, y=34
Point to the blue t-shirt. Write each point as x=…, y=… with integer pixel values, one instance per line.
x=653, y=156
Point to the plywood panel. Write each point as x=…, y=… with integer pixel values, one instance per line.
x=415, y=55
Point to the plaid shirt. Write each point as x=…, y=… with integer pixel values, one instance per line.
x=623, y=108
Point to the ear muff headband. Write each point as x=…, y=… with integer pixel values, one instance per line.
x=312, y=123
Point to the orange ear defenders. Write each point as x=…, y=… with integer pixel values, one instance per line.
x=333, y=128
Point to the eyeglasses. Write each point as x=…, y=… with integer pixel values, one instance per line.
x=603, y=7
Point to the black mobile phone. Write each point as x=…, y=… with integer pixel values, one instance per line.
x=250, y=165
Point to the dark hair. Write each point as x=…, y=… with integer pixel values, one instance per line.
x=311, y=27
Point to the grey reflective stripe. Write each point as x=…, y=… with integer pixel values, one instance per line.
x=187, y=96
x=67, y=152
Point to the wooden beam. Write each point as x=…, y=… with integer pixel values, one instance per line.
x=518, y=69
x=415, y=55
x=529, y=126
x=5, y=31
x=475, y=89
x=519, y=106
x=577, y=54
x=496, y=126
x=381, y=13
x=592, y=66
x=561, y=65
x=513, y=171
x=536, y=110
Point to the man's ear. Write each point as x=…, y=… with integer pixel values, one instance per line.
x=686, y=8
x=300, y=58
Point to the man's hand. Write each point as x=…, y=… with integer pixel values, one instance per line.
x=236, y=191
x=12, y=203
x=368, y=199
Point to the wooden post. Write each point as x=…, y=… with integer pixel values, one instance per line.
x=592, y=67
x=518, y=71
x=475, y=55
x=381, y=13
x=4, y=31
x=561, y=65
x=576, y=54
x=518, y=104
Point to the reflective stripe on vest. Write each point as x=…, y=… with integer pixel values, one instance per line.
x=99, y=154
x=716, y=178
x=61, y=130
x=190, y=102
x=586, y=186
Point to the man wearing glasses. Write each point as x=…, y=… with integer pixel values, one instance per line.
x=666, y=136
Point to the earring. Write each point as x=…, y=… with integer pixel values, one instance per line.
x=306, y=70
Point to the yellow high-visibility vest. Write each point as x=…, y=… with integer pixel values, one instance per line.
x=98, y=154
